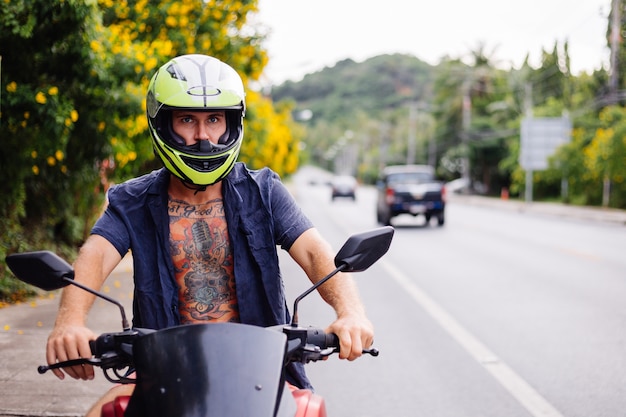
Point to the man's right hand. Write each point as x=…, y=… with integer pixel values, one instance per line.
x=67, y=342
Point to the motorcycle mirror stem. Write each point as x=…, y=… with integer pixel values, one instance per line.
x=125, y=324
x=357, y=254
x=294, y=320
x=48, y=271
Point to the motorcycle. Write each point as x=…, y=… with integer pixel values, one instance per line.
x=199, y=370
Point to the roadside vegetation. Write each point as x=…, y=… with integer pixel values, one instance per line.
x=466, y=114
x=73, y=81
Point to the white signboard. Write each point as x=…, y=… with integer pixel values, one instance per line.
x=540, y=137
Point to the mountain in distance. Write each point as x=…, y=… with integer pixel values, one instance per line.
x=376, y=86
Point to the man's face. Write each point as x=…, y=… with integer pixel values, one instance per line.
x=194, y=126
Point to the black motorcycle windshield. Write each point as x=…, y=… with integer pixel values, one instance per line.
x=205, y=370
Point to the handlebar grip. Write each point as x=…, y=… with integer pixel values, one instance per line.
x=332, y=340
x=321, y=339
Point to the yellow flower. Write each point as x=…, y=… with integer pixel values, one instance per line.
x=64, y=169
x=53, y=91
x=41, y=98
x=67, y=122
x=74, y=116
x=95, y=46
x=33, y=154
x=59, y=155
x=35, y=170
x=26, y=115
x=101, y=126
x=51, y=161
x=12, y=87
x=151, y=63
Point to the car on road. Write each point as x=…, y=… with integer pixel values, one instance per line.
x=410, y=189
x=343, y=186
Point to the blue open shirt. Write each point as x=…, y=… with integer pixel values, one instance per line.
x=260, y=213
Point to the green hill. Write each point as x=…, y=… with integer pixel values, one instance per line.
x=380, y=84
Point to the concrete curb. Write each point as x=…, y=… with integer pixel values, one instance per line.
x=598, y=214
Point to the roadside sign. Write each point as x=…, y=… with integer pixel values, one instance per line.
x=540, y=137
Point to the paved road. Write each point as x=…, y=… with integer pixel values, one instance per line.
x=24, y=329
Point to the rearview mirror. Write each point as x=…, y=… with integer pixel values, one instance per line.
x=48, y=271
x=358, y=253
x=361, y=250
x=43, y=269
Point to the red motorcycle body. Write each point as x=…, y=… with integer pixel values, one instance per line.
x=308, y=405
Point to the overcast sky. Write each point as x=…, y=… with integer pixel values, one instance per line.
x=308, y=35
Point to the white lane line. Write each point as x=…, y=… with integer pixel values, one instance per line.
x=513, y=383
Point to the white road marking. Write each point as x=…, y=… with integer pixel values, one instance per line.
x=526, y=395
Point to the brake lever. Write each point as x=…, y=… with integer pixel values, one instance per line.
x=67, y=364
x=329, y=351
x=373, y=351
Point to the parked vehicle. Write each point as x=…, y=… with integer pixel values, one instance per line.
x=410, y=189
x=343, y=186
x=206, y=370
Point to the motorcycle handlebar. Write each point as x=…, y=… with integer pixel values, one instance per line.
x=330, y=340
x=321, y=339
x=315, y=344
x=113, y=351
x=110, y=351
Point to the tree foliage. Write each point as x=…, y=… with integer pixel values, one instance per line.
x=74, y=77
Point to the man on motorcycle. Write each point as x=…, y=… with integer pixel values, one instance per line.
x=203, y=230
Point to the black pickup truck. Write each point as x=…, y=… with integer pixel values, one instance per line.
x=410, y=189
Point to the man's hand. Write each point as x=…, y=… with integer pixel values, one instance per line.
x=70, y=338
x=355, y=333
x=352, y=326
x=67, y=342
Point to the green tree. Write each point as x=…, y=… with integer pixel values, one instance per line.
x=472, y=114
x=50, y=92
x=74, y=76
x=605, y=156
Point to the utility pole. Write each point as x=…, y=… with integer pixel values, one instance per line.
x=467, y=122
x=616, y=24
x=410, y=153
x=528, y=109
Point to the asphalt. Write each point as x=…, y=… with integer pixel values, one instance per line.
x=24, y=328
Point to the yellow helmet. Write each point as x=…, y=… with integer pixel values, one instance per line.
x=196, y=83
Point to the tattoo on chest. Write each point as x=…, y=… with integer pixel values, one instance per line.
x=203, y=260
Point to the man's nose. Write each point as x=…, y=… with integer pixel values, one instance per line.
x=202, y=133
